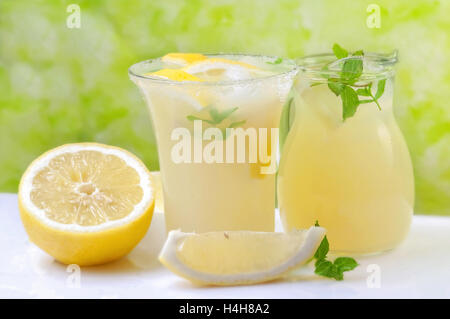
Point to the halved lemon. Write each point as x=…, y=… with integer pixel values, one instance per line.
x=86, y=203
x=238, y=257
x=183, y=59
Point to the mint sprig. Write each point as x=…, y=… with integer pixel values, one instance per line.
x=216, y=117
x=352, y=69
x=327, y=268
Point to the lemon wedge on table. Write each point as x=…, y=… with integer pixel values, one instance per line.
x=86, y=203
x=238, y=257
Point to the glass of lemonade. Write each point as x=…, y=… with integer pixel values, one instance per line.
x=345, y=164
x=206, y=188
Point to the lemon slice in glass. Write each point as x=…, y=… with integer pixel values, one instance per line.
x=182, y=59
x=86, y=203
x=220, y=69
x=174, y=75
x=238, y=257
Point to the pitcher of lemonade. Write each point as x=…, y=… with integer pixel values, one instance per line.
x=344, y=161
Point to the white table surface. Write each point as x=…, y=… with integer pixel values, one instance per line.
x=419, y=268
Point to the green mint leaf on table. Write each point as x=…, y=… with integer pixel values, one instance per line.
x=324, y=247
x=345, y=263
x=322, y=251
x=277, y=61
x=326, y=268
x=339, y=52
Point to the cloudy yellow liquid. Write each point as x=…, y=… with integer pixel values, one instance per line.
x=354, y=177
x=203, y=197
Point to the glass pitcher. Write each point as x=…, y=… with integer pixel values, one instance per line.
x=344, y=161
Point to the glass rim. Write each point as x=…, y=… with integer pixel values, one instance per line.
x=291, y=62
x=311, y=66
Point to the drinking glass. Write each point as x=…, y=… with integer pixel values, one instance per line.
x=201, y=193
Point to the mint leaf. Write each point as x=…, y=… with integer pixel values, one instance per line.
x=380, y=89
x=323, y=249
x=217, y=117
x=326, y=268
x=352, y=69
x=345, y=263
x=350, y=102
x=323, y=267
x=339, y=52
x=237, y=124
x=363, y=92
x=277, y=61
x=193, y=118
x=336, y=87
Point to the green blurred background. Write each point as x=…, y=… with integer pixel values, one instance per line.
x=61, y=85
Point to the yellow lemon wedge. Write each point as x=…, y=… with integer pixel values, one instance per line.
x=86, y=203
x=238, y=257
x=183, y=59
x=174, y=75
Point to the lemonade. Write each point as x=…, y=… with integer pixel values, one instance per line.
x=221, y=91
x=353, y=175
